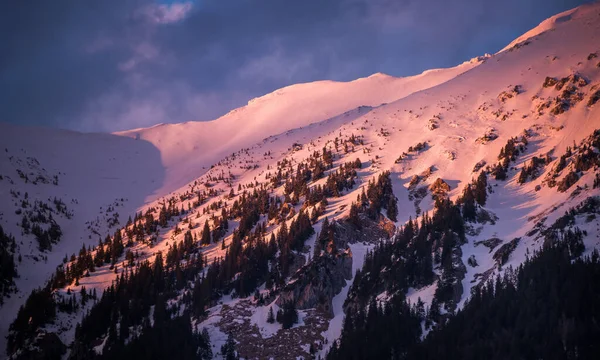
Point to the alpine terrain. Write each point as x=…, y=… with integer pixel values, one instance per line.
x=452, y=214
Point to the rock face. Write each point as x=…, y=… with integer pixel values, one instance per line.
x=284, y=344
x=501, y=256
x=594, y=96
x=509, y=94
x=459, y=271
x=489, y=243
x=549, y=82
x=439, y=188
x=315, y=285
x=47, y=346
x=298, y=261
x=370, y=231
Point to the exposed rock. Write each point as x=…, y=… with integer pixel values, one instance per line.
x=472, y=230
x=479, y=166
x=459, y=271
x=514, y=91
x=414, y=181
x=433, y=124
x=574, y=79
x=472, y=261
x=450, y=289
x=439, y=188
x=490, y=135
x=451, y=155
x=590, y=205
x=370, y=231
x=484, y=216
x=549, y=82
x=569, y=180
x=543, y=106
x=519, y=45
x=489, y=243
x=298, y=261
x=418, y=147
x=566, y=99
x=501, y=256
x=315, y=285
x=285, y=344
x=46, y=346
x=296, y=146
x=594, y=97
x=417, y=179
x=416, y=196
x=483, y=277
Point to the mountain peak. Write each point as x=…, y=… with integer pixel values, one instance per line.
x=554, y=22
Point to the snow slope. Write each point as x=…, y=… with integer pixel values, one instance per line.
x=94, y=171
x=189, y=148
x=546, y=25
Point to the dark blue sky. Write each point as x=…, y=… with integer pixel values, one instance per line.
x=118, y=64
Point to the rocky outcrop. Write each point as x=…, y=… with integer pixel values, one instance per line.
x=501, y=256
x=417, y=179
x=509, y=94
x=439, y=188
x=46, y=346
x=315, y=285
x=369, y=231
x=490, y=135
x=459, y=271
x=489, y=243
x=298, y=261
x=479, y=166
x=594, y=95
x=549, y=82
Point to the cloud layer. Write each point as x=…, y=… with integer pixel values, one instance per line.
x=113, y=65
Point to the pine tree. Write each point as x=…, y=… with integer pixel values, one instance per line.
x=392, y=209
x=271, y=316
x=228, y=349
x=205, y=234
x=468, y=204
x=480, y=191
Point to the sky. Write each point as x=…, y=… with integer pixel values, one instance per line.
x=112, y=65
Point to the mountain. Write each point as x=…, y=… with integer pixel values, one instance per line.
x=340, y=208
x=88, y=184
x=187, y=149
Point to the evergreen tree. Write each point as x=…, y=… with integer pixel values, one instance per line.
x=228, y=349
x=480, y=189
x=271, y=316
x=205, y=234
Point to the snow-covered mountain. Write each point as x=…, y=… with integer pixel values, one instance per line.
x=188, y=149
x=524, y=117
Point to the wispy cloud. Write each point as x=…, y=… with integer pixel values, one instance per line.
x=167, y=13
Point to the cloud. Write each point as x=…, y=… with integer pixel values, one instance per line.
x=144, y=51
x=116, y=64
x=276, y=65
x=167, y=13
